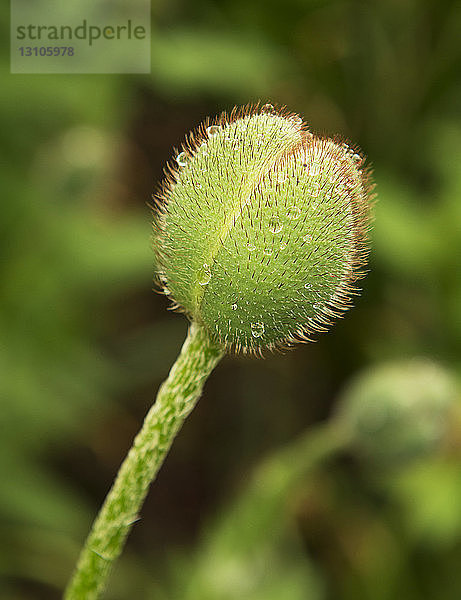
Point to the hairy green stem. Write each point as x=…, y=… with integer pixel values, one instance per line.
x=176, y=398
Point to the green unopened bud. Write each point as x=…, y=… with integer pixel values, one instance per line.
x=261, y=229
x=400, y=411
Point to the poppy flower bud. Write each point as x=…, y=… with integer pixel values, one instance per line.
x=399, y=411
x=261, y=229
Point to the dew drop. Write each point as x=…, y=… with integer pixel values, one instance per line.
x=268, y=251
x=281, y=177
x=257, y=329
x=203, y=149
x=182, y=159
x=308, y=286
x=251, y=247
x=275, y=226
x=234, y=307
x=204, y=275
x=267, y=108
x=315, y=191
x=213, y=130
x=307, y=238
x=294, y=213
x=283, y=245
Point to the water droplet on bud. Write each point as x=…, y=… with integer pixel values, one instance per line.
x=315, y=191
x=182, y=159
x=267, y=108
x=281, y=177
x=294, y=213
x=203, y=149
x=213, y=130
x=204, y=275
x=257, y=329
x=275, y=226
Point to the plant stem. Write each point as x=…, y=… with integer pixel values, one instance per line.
x=261, y=509
x=176, y=398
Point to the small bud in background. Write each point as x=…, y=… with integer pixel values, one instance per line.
x=400, y=411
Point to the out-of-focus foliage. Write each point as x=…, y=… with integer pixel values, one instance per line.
x=85, y=343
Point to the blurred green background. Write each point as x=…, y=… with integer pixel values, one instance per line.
x=245, y=507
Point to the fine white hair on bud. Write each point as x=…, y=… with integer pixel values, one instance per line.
x=260, y=228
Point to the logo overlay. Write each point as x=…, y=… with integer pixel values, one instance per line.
x=96, y=36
